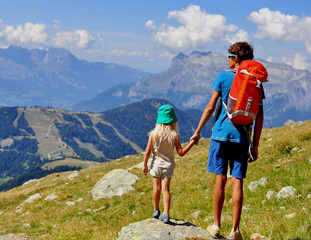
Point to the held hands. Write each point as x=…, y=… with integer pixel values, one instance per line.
x=195, y=138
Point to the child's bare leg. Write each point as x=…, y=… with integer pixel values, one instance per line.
x=156, y=192
x=166, y=195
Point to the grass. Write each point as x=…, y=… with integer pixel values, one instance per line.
x=284, y=160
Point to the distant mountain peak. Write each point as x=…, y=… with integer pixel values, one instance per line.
x=179, y=59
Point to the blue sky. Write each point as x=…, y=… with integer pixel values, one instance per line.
x=147, y=34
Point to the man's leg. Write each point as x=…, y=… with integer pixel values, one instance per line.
x=237, y=202
x=166, y=195
x=219, y=197
x=156, y=192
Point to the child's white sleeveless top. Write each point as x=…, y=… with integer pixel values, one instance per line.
x=163, y=152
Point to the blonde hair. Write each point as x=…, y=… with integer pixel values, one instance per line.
x=171, y=130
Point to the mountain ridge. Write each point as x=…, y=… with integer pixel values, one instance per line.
x=187, y=83
x=55, y=77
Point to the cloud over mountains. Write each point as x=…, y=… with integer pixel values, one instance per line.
x=37, y=34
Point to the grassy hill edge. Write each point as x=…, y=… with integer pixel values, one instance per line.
x=284, y=160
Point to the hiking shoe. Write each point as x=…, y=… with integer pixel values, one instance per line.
x=235, y=235
x=156, y=213
x=165, y=218
x=214, y=231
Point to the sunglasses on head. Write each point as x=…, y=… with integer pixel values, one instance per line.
x=231, y=55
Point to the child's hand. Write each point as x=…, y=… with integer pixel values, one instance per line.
x=145, y=170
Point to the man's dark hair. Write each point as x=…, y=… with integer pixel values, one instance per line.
x=243, y=50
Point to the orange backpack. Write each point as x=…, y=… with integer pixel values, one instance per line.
x=245, y=93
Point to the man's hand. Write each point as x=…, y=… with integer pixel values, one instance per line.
x=254, y=154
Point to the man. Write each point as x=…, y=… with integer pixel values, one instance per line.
x=229, y=143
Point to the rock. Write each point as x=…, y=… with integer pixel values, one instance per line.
x=33, y=198
x=289, y=122
x=289, y=216
x=27, y=225
x=270, y=195
x=257, y=236
x=30, y=181
x=11, y=236
x=99, y=209
x=286, y=192
x=153, y=229
x=51, y=197
x=253, y=185
x=195, y=214
x=70, y=203
x=115, y=183
x=73, y=175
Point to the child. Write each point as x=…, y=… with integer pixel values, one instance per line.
x=162, y=140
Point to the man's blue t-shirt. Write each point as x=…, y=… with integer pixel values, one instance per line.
x=224, y=130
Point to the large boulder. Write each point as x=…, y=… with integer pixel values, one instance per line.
x=115, y=183
x=153, y=229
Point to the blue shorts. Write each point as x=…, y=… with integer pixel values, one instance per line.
x=222, y=154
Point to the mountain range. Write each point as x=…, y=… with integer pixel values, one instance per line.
x=54, y=77
x=186, y=83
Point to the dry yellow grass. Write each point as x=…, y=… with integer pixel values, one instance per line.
x=284, y=160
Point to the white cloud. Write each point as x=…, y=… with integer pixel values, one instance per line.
x=118, y=52
x=167, y=55
x=21, y=34
x=298, y=62
x=36, y=35
x=76, y=39
x=277, y=26
x=196, y=29
x=270, y=59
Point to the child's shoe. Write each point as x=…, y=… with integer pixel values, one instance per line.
x=235, y=235
x=214, y=231
x=156, y=213
x=165, y=218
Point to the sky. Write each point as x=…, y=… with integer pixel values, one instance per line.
x=147, y=34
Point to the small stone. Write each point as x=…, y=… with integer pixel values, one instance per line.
x=253, y=185
x=27, y=225
x=257, y=236
x=73, y=175
x=289, y=216
x=286, y=192
x=51, y=197
x=195, y=214
x=33, y=198
x=70, y=203
x=270, y=195
x=289, y=122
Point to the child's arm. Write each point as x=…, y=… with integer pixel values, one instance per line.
x=147, y=155
x=180, y=150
